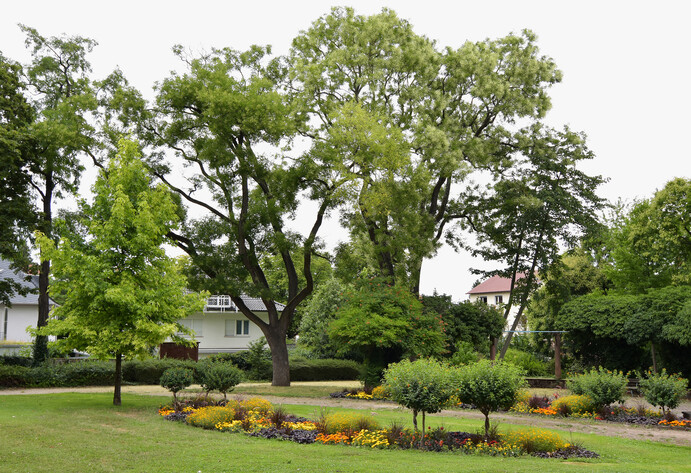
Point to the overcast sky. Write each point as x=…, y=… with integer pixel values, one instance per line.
x=626, y=68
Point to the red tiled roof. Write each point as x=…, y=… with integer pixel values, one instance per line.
x=493, y=284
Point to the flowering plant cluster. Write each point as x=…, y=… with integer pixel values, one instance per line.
x=257, y=417
x=676, y=423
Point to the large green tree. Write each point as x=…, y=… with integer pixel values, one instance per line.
x=537, y=205
x=122, y=295
x=227, y=120
x=16, y=207
x=370, y=83
x=650, y=245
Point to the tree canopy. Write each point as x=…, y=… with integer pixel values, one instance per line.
x=122, y=295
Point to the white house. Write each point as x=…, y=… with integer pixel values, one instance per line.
x=495, y=291
x=23, y=310
x=221, y=327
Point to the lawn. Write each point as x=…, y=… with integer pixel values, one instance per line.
x=85, y=433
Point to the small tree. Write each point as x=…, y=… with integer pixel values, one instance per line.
x=663, y=390
x=604, y=387
x=221, y=377
x=176, y=379
x=122, y=294
x=490, y=386
x=422, y=385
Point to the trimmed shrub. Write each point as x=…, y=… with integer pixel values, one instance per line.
x=422, y=386
x=80, y=373
x=574, y=404
x=663, y=390
x=14, y=376
x=150, y=371
x=176, y=379
x=490, y=386
x=16, y=360
x=349, y=423
x=324, y=370
x=221, y=377
x=604, y=387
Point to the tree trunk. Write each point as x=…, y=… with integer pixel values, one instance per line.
x=422, y=437
x=415, y=418
x=486, y=426
x=652, y=354
x=279, y=359
x=117, y=396
x=46, y=226
x=493, y=348
x=557, y=355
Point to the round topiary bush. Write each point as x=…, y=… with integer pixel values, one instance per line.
x=177, y=379
x=604, y=387
x=664, y=390
x=221, y=377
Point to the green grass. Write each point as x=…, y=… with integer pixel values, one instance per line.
x=287, y=391
x=85, y=433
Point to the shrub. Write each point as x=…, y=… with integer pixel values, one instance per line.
x=528, y=362
x=324, y=370
x=176, y=379
x=490, y=386
x=14, y=376
x=574, y=404
x=538, y=402
x=259, y=359
x=604, y=387
x=80, y=373
x=422, y=385
x=535, y=440
x=381, y=392
x=150, y=371
x=209, y=417
x=221, y=377
x=663, y=390
x=16, y=360
x=465, y=354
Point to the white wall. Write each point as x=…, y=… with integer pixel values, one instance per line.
x=491, y=301
x=213, y=337
x=19, y=317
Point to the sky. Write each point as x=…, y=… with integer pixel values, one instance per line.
x=625, y=66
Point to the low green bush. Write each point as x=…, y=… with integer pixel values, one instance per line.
x=603, y=386
x=324, y=370
x=663, y=390
x=221, y=377
x=529, y=363
x=149, y=371
x=78, y=373
x=16, y=360
x=14, y=376
x=177, y=379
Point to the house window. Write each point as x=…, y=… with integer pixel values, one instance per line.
x=242, y=327
x=193, y=324
x=498, y=299
x=482, y=299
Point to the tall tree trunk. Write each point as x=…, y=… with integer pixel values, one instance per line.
x=279, y=359
x=117, y=394
x=557, y=355
x=652, y=354
x=45, y=226
x=493, y=348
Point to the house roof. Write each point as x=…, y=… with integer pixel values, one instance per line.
x=255, y=303
x=7, y=272
x=496, y=284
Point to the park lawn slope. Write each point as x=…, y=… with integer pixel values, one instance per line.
x=84, y=432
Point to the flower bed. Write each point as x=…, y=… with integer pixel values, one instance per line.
x=258, y=418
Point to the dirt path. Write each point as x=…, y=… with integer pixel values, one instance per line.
x=611, y=429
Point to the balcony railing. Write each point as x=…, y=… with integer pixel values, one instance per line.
x=219, y=304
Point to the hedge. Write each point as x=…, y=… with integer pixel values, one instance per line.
x=324, y=370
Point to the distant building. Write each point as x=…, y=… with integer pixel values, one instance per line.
x=495, y=291
x=23, y=312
